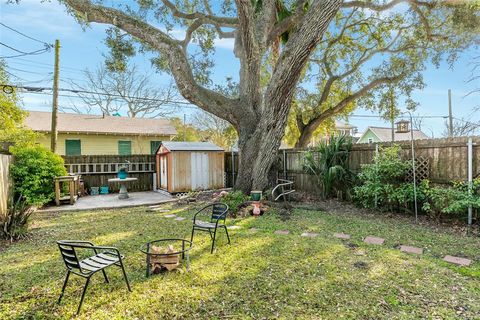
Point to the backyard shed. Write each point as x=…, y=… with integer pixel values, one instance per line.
x=186, y=166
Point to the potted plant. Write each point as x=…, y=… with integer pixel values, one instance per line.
x=255, y=195
x=123, y=170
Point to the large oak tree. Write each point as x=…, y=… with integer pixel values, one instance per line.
x=290, y=31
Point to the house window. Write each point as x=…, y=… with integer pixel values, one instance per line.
x=124, y=148
x=370, y=140
x=154, y=146
x=73, y=148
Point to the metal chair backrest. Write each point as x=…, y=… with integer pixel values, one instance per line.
x=219, y=210
x=69, y=256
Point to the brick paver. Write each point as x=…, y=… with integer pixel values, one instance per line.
x=409, y=249
x=374, y=240
x=341, y=235
x=457, y=260
x=309, y=234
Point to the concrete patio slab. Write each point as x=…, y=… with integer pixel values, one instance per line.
x=409, y=249
x=309, y=234
x=111, y=201
x=284, y=232
x=341, y=235
x=457, y=260
x=373, y=240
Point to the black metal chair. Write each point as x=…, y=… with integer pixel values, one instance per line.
x=217, y=213
x=108, y=256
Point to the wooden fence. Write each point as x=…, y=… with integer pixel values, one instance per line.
x=96, y=170
x=5, y=182
x=447, y=160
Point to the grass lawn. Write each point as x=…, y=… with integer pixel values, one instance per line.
x=260, y=275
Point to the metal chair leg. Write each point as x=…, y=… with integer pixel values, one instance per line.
x=105, y=276
x=64, y=286
x=125, y=276
x=83, y=295
x=226, y=231
x=191, y=238
x=213, y=239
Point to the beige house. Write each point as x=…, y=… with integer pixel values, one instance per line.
x=83, y=134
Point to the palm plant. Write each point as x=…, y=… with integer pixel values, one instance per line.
x=329, y=164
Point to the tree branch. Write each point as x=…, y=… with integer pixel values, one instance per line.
x=206, y=99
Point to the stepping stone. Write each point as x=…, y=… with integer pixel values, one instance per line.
x=253, y=230
x=341, y=235
x=457, y=260
x=159, y=209
x=309, y=234
x=233, y=227
x=169, y=216
x=373, y=240
x=409, y=249
x=180, y=218
x=282, y=232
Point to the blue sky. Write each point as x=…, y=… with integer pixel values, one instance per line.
x=83, y=49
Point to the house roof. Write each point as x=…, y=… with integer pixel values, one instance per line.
x=91, y=124
x=385, y=134
x=190, y=146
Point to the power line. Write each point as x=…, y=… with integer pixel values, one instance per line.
x=39, y=90
x=27, y=71
x=23, y=34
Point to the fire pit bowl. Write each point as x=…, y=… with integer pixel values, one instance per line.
x=166, y=254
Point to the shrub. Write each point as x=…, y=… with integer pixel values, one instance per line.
x=33, y=170
x=14, y=223
x=383, y=181
x=451, y=200
x=233, y=200
x=330, y=167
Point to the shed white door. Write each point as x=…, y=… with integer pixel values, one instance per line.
x=163, y=173
x=200, y=172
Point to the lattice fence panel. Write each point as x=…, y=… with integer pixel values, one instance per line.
x=422, y=170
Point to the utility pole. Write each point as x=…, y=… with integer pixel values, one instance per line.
x=450, y=116
x=54, y=130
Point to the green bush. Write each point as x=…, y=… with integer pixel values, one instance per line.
x=329, y=164
x=233, y=200
x=383, y=181
x=33, y=170
x=451, y=200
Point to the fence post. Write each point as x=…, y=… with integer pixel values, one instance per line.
x=233, y=168
x=376, y=196
x=284, y=164
x=470, y=176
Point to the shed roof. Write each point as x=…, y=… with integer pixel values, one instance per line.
x=88, y=123
x=190, y=146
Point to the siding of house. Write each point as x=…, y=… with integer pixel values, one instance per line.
x=102, y=144
x=369, y=134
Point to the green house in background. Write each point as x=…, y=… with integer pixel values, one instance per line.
x=383, y=134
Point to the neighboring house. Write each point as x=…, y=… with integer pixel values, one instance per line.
x=345, y=128
x=382, y=134
x=83, y=134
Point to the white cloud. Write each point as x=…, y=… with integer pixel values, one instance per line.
x=226, y=43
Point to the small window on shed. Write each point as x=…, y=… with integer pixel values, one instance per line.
x=370, y=140
x=73, y=148
x=124, y=148
x=154, y=146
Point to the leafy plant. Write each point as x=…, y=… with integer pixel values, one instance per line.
x=329, y=164
x=33, y=171
x=382, y=182
x=14, y=224
x=234, y=200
